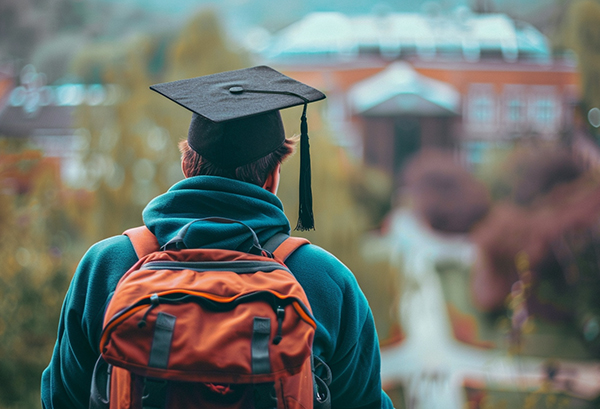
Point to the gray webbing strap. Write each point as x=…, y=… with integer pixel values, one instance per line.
x=155, y=390
x=100, y=390
x=274, y=242
x=260, y=346
x=161, y=343
x=322, y=396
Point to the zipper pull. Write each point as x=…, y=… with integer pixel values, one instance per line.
x=280, y=317
x=153, y=303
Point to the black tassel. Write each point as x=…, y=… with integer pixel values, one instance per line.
x=305, y=211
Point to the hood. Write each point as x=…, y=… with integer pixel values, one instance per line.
x=211, y=196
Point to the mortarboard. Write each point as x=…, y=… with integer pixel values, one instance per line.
x=236, y=119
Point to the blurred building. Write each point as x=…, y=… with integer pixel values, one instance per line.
x=397, y=82
x=41, y=115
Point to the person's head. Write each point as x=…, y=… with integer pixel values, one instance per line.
x=236, y=129
x=248, y=149
x=256, y=172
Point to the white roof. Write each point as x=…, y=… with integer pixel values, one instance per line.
x=396, y=33
x=399, y=89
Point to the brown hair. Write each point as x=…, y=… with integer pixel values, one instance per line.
x=193, y=164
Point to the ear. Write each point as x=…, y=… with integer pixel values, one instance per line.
x=272, y=182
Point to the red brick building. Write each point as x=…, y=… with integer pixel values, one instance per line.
x=398, y=82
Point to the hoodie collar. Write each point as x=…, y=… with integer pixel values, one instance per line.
x=212, y=196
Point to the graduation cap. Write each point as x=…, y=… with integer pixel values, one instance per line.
x=236, y=119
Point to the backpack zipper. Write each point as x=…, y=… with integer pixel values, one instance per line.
x=155, y=299
x=280, y=316
x=241, y=267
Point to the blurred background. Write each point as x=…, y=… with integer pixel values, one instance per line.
x=455, y=171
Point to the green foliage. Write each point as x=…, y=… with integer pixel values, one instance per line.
x=584, y=30
x=38, y=246
x=132, y=154
x=494, y=173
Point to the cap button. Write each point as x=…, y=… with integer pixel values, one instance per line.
x=236, y=90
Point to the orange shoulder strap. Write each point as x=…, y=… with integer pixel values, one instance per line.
x=288, y=246
x=144, y=242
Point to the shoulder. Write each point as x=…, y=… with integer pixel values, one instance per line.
x=101, y=267
x=315, y=265
x=110, y=249
x=109, y=259
x=96, y=276
x=106, y=261
x=103, y=264
x=336, y=300
x=328, y=283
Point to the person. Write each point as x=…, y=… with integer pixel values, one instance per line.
x=231, y=163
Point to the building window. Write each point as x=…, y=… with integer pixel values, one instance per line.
x=544, y=109
x=481, y=105
x=515, y=107
x=517, y=110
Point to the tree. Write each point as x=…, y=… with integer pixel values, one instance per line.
x=133, y=153
x=584, y=26
x=39, y=243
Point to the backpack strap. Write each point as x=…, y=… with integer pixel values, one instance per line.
x=282, y=245
x=143, y=240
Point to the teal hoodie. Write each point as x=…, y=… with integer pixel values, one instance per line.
x=345, y=338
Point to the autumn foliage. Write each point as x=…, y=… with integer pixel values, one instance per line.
x=38, y=243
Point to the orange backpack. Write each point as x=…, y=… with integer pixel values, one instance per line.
x=208, y=328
